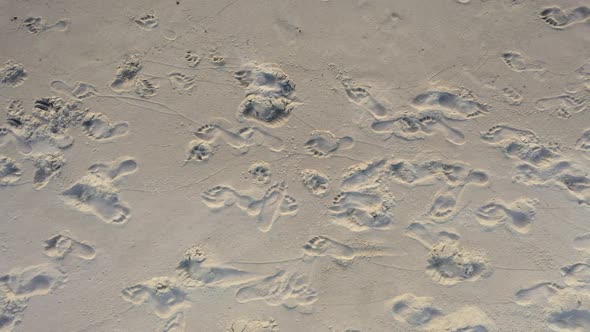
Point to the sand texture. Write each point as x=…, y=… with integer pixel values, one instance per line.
x=312, y=165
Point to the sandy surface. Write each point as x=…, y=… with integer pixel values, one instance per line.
x=295, y=165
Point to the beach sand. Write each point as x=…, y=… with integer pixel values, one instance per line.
x=257, y=165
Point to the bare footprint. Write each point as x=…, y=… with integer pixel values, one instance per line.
x=583, y=72
x=289, y=289
x=570, y=320
x=512, y=3
x=362, y=211
x=165, y=295
x=429, y=234
x=444, y=205
x=517, y=216
x=541, y=155
x=365, y=176
x=217, y=59
x=269, y=111
x=558, y=301
x=181, y=81
x=32, y=280
x=456, y=174
x=456, y=178
x=452, y=106
x=544, y=294
x=113, y=170
x=561, y=174
x=216, y=134
x=146, y=88
x=260, y=172
x=147, y=22
x=563, y=304
x=366, y=202
x=315, y=182
x=12, y=74
x=79, y=90
x=126, y=74
x=96, y=193
x=503, y=133
x=348, y=200
x=420, y=312
x=241, y=140
x=359, y=220
x=37, y=24
x=19, y=285
x=576, y=275
x=253, y=325
x=34, y=24
x=465, y=319
x=47, y=166
x=576, y=183
x=199, y=151
x=405, y=172
x=274, y=204
x=322, y=143
x=541, y=164
x=224, y=196
x=11, y=311
x=522, y=145
x=558, y=18
x=513, y=96
x=324, y=246
x=15, y=110
x=176, y=323
x=407, y=127
x=91, y=196
x=192, y=58
x=56, y=116
x=583, y=143
x=361, y=97
x=266, y=79
x=414, y=310
x=62, y=245
x=566, y=104
x=99, y=127
x=450, y=264
x=432, y=123
x=270, y=94
x=258, y=136
x=46, y=128
x=197, y=270
x=519, y=63
x=417, y=126
x=10, y=171
x=582, y=242
x=8, y=136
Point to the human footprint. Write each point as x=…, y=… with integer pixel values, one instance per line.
x=558, y=18
x=518, y=216
x=62, y=245
x=324, y=246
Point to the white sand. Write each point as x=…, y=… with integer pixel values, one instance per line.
x=295, y=165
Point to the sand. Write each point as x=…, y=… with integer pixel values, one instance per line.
x=308, y=165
